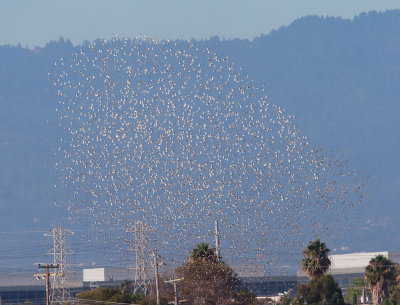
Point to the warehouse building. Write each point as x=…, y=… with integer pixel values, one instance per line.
x=346, y=267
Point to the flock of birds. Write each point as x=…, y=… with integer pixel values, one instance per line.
x=175, y=137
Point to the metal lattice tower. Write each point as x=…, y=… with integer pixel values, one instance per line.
x=60, y=287
x=142, y=279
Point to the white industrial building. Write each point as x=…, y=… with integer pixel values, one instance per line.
x=107, y=274
x=356, y=262
x=346, y=267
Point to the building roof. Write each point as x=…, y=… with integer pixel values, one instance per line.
x=354, y=260
x=354, y=263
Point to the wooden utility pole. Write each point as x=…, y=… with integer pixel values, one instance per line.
x=175, y=283
x=48, y=267
x=156, y=278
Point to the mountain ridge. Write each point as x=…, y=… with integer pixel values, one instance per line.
x=338, y=76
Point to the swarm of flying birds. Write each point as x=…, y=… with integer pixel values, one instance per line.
x=176, y=137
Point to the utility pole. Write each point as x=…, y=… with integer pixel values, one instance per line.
x=156, y=278
x=47, y=267
x=216, y=234
x=175, y=283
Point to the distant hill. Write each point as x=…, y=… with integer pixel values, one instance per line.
x=341, y=80
x=339, y=77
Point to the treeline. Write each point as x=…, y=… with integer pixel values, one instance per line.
x=206, y=279
x=203, y=279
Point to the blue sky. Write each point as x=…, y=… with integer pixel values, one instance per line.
x=35, y=22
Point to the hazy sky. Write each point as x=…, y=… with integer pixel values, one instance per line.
x=35, y=22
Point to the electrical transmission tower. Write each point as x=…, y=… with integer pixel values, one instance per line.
x=142, y=279
x=60, y=293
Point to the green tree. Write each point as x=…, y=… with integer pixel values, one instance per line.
x=208, y=281
x=203, y=252
x=395, y=296
x=117, y=295
x=316, y=261
x=319, y=291
x=149, y=300
x=285, y=301
x=103, y=294
x=126, y=287
x=355, y=291
x=379, y=275
x=245, y=297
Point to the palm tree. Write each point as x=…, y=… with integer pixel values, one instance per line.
x=379, y=273
x=316, y=261
x=126, y=287
x=203, y=252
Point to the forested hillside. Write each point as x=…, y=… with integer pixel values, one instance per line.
x=340, y=78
